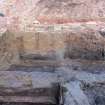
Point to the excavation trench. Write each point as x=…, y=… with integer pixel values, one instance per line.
x=68, y=68
x=22, y=85
x=47, y=85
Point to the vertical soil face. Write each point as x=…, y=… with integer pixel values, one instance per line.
x=75, y=44
x=8, y=50
x=85, y=44
x=82, y=43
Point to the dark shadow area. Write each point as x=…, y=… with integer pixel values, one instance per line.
x=23, y=103
x=2, y=15
x=95, y=94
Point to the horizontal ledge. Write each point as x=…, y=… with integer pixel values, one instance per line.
x=28, y=99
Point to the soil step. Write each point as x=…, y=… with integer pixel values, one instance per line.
x=33, y=86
